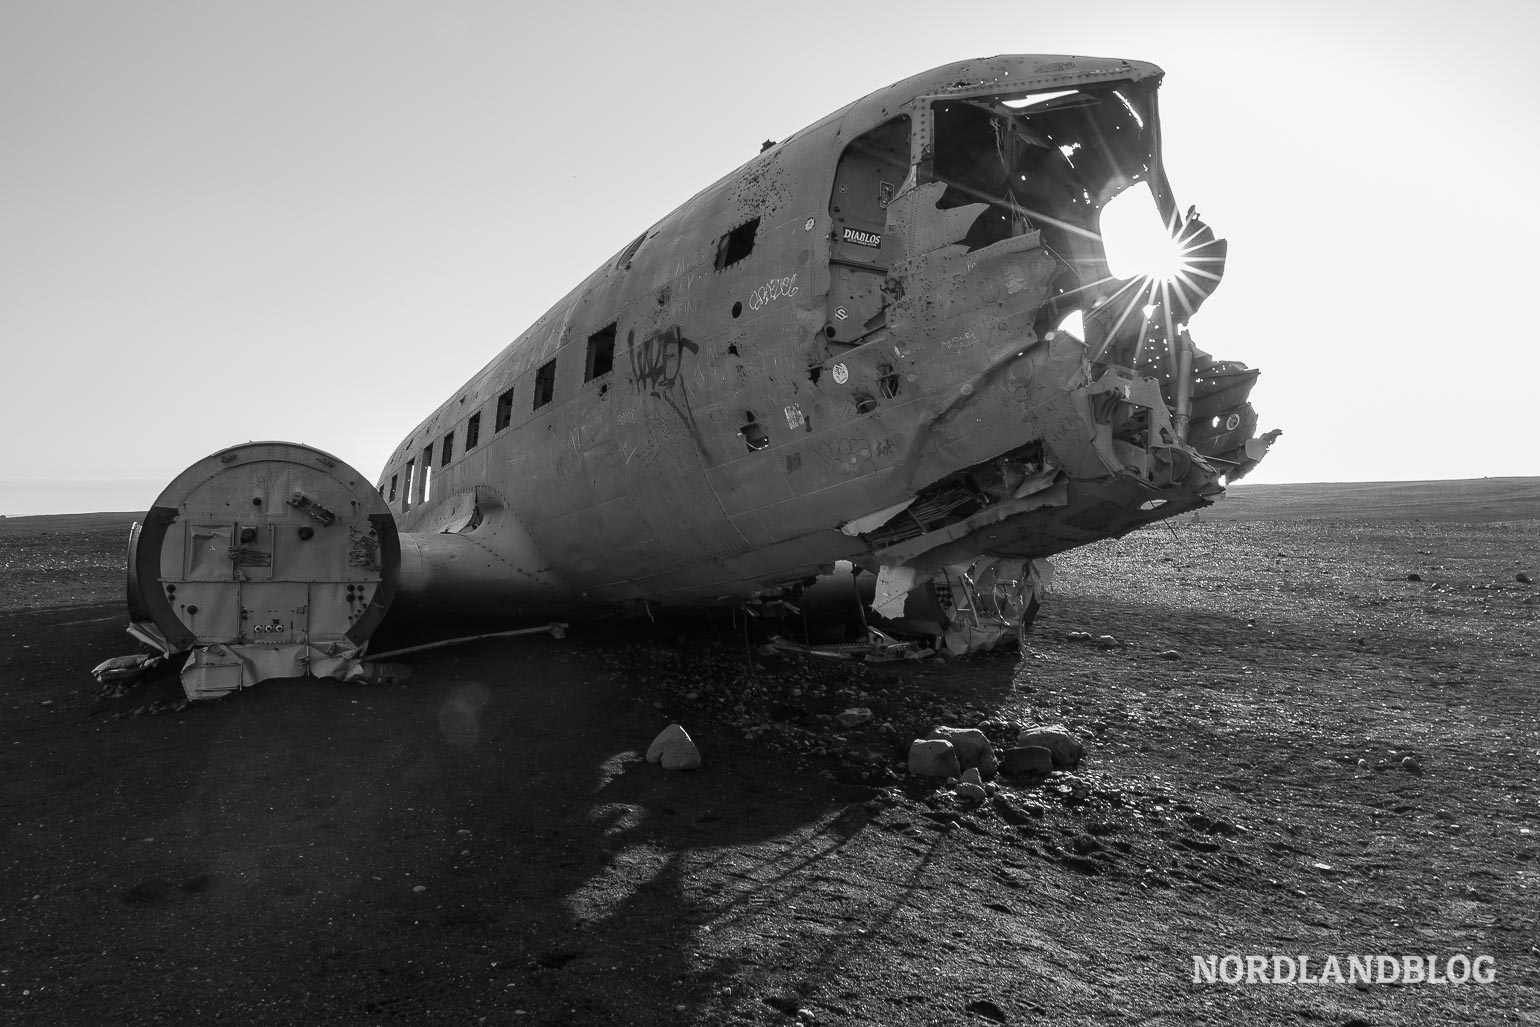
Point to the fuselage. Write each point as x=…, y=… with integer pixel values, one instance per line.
x=844, y=349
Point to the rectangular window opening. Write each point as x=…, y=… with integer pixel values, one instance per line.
x=449, y=449
x=601, y=353
x=737, y=244
x=406, y=493
x=545, y=383
x=472, y=432
x=427, y=471
x=504, y=410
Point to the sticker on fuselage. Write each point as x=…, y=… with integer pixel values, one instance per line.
x=841, y=373
x=861, y=238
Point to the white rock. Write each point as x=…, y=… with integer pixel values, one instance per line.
x=973, y=748
x=933, y=757
x=674, y=749
x=1057, y=739
x=853, y=717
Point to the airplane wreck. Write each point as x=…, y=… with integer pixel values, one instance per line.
x=891, y=344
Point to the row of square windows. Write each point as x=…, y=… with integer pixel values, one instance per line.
x=600, y=360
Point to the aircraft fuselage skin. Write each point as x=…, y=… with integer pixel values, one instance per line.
x=808, y=341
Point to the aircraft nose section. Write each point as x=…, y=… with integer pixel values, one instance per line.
x=269, y=559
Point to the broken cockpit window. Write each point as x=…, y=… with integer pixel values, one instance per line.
x=1048, y=163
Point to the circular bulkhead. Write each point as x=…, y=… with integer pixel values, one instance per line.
x=265, y=543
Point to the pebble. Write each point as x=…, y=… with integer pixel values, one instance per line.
x=1170, y=654
x=1414, y=576
x=1522, y=578
x=1407, y=763
x=419, y=888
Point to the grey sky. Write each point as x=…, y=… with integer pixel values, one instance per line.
x=313, y=221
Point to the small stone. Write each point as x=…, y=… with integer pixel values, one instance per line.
x=1409, y=764
x=933, y=757
x=1170, y=654
x=419, y=889
x=971, y=775
x=1107, y=640
x=1081, y=636
x=1057, y=739
x=673, y=749
x=970, y=791
x=973, y=748
x=854, y=717
x=1364, y=764
x=1414, y=576
x=1522, y=578
x=1026, y=759
x=1014, y=813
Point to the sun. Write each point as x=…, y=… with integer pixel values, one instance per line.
x=1137, y=242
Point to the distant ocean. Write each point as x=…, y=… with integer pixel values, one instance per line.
x=20, y=497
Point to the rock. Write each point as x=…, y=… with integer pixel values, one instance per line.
x=1522, y=578
x=853, y=717
x=1057, y=739
x=1414, y=576
x=971, y=776
x=969, y=791
x=1411, y=765
x=674, y=749
x=1170, y=654
x=1026, y=759
x=1011, y=812
x=973, y=748
x=933, y=757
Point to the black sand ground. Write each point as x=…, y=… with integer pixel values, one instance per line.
x=486, y=844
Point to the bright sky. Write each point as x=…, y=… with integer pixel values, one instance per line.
x=314, y=220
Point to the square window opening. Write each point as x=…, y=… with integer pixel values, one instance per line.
x=545, y=384
x=504, y=410
x=601, y=353
x=737, y=244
